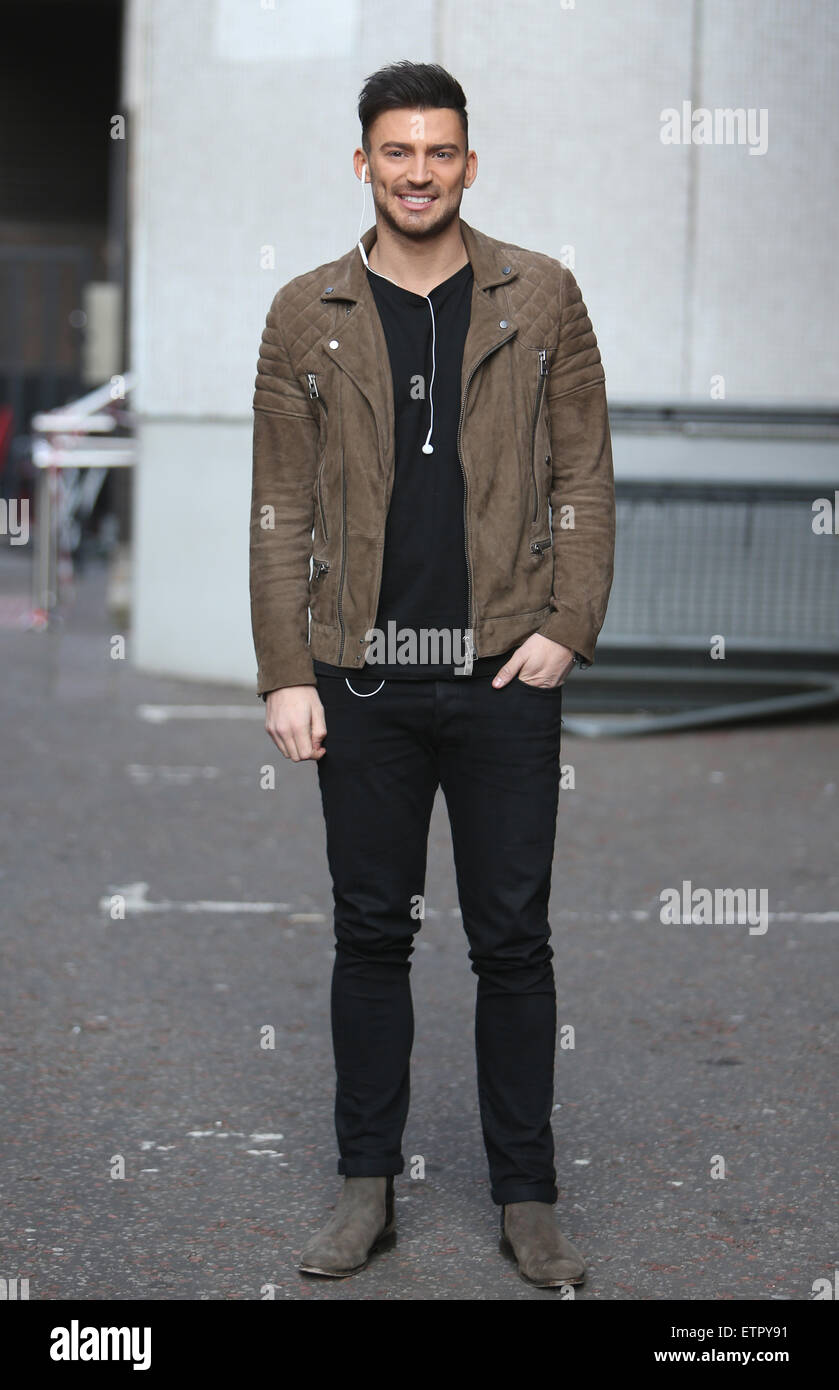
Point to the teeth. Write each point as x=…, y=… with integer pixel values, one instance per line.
x=406, y=198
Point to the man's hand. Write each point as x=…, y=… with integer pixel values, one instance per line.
x=538, y=661
x=295, y=720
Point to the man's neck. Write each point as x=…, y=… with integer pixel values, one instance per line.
x=418, y=265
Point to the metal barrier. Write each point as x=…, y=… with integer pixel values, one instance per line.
x=698, y=561
x=73, y=459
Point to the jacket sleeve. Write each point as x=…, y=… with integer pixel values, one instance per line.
x=285, y=448
x=582, y=481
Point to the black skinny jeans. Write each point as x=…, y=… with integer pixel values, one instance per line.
x=496, y=755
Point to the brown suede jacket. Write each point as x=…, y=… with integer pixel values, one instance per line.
x=534, y=445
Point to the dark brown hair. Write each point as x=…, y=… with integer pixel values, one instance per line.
x=399, y=85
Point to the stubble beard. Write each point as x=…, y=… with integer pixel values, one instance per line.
x=418, y=232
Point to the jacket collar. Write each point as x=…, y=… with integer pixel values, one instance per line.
x=488, y=257
x=359, y=347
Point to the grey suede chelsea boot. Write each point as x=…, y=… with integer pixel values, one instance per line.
x=362, y=1221
x=545, y=1258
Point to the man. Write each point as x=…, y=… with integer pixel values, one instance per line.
x=431, y=432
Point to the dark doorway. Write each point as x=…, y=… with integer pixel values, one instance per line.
x=62, y=211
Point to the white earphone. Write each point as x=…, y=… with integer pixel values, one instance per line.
x=428, y=447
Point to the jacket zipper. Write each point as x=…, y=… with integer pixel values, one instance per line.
x=343, y=556
x=543, y=372
x=320, y=500
x=538, y=546
x=381, y=567
x=315, y=395
x=321, y=566
x=479, y=362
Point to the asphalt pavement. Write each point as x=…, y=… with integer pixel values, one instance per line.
x=161, y=1141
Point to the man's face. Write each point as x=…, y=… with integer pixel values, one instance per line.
x=419, y=168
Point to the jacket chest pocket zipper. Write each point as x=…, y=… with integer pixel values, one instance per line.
x=315, y=395
x=543, y=374
x=320, y=499
x=321, y=566
x=538, y=546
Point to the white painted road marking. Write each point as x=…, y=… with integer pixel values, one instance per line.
x=136, y=901
x=142, y=774
x=160, y=714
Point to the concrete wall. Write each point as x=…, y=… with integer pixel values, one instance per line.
x=695, y=261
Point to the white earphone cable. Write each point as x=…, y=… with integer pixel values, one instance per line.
x=428, y=447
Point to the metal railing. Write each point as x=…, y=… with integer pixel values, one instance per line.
x=77, y=446
x=709, y=563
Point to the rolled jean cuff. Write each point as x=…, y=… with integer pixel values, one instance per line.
x=525, y=1192
x=370, y=1167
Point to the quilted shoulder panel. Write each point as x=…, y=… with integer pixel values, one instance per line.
x=534, y=294
x=549, y=306
x=296, y=320
x=298, y=306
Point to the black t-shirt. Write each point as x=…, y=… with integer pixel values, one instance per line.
x=424, y=571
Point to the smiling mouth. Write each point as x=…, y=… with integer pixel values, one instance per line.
x=416, y=200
